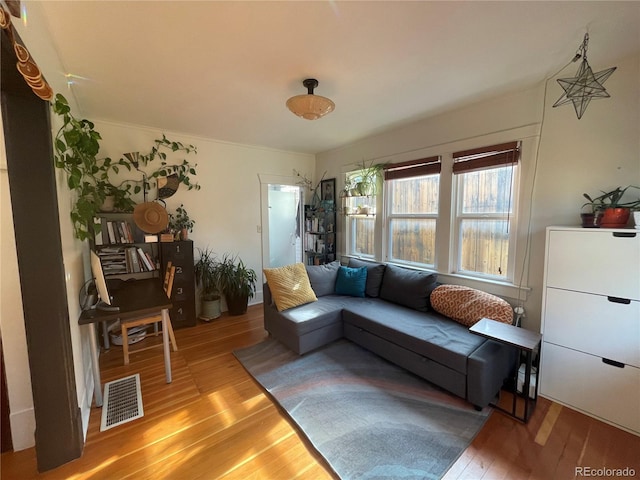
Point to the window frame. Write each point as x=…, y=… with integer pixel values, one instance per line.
x=455, y=240
x=389, y=216
x=481, y=159
x=351, y=219
x=528, y=138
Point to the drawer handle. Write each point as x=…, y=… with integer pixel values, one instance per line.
x=624, y=234
x=613, y=363
x=625, y=301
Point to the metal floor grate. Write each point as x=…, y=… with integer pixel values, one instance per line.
x=122, y=402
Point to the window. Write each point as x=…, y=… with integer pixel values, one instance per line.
x=360, y=212
x=484, y=181
x=471, y=232
x=412, y=211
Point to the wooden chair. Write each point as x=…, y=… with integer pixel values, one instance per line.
x=154, y=320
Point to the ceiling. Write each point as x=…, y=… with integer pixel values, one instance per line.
x=224, y=70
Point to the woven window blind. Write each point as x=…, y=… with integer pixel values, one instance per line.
x=486, y=157
x=412, y=168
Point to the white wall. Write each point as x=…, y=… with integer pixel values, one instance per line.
x=600, y=151
x=226, y=209
x=14, y=344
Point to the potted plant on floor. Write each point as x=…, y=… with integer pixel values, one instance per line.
x=207, y=272
x=237, y=282
x=615, y=212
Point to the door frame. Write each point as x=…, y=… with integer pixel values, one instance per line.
x=265, y=181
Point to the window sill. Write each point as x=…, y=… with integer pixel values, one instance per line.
x=495, y=287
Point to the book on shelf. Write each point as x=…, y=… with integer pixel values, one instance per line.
x=132, y=257
x=120, y=234
x=128, y=232
x=98, y=231
x=154, y=265
x=111, y=232
x=145, y=260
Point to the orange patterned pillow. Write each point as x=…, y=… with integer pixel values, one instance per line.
x=466, y=305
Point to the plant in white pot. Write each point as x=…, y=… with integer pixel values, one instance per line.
x=207, y=273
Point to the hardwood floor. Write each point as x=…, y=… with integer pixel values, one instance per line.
x=214, y=422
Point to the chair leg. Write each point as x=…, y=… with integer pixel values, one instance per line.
x=125, y=343
x=172, y=337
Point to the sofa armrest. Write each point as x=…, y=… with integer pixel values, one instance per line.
x=267, y=299
x=487, y=369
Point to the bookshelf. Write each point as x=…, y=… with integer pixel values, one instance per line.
x=126, y=252
x=320, y=233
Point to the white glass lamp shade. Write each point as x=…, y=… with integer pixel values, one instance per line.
x=310, y=107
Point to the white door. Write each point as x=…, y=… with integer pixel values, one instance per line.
x=281, y=225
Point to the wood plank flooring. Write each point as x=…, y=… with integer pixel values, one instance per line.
x=214, y=422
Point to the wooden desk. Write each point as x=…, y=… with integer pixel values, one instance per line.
x=527, y=342
x=136, y=298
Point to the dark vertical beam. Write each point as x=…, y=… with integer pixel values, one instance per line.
x=28, y=142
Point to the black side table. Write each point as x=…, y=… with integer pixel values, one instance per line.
x=525, y=341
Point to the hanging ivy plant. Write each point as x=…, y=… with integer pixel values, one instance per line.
x=76, y=147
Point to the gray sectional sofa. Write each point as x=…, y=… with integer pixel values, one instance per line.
x=395, y=320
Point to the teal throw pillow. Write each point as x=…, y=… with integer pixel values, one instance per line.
x=351, y=281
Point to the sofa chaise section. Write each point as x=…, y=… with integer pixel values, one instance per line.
x=395, y=321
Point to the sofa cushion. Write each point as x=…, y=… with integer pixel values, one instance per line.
x=430, y=334
x=410, y=288
x=306, y=318
x=375, y=273
x=468, y=305
x=351, y=281
x=323, y=278
x=289, y=286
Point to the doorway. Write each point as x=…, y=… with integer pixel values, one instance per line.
x=281, y=224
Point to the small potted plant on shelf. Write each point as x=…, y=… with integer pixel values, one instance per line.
x=613, y=212
x=180, y=223
x=237, y=283
x=207, y=273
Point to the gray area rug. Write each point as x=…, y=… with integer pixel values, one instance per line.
x=367, y=417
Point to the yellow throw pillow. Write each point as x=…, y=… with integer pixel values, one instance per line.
x=466, y=305
x=290, y=286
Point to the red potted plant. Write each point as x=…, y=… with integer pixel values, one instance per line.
x=613, y=211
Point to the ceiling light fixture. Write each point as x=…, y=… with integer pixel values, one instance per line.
x=586, y=85
x=310, y=106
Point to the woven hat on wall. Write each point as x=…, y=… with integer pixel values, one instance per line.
x=150, y=217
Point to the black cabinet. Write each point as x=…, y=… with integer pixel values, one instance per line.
x=183, y=296
x=126, y=253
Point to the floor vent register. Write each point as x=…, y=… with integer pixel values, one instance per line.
x=122, y=402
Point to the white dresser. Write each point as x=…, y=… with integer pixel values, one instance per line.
x=591, y=323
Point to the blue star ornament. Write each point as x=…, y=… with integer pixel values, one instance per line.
x=584, y=87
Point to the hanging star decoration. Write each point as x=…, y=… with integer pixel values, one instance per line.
x=586, y=85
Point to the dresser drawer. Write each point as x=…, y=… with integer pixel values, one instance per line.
x=183, y=314
x=586, y=383
x=176, y=251
x=593, y=324
x=594, y=261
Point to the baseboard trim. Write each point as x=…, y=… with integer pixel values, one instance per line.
x=23, y=428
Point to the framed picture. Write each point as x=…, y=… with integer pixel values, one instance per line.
x=328, y=189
